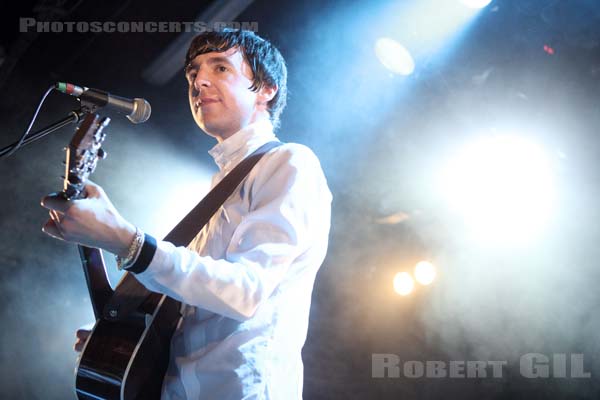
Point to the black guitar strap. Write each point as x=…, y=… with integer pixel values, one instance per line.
x=129, y=293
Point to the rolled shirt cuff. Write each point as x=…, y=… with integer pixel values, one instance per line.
x=145, y=256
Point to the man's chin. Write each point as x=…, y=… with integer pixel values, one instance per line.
x=210, y=129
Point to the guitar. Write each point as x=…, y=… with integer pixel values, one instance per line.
x=127, y=353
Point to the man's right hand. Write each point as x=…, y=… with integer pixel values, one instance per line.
x=82, y=336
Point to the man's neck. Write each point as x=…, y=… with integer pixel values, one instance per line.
x=221, y=137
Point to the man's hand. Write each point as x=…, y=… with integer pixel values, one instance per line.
x=82, y=336
x=92, y=222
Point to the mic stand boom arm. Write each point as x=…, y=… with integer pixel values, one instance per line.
x=73, y=117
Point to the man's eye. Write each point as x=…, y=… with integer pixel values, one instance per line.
x=222, y=68
x=191, y=77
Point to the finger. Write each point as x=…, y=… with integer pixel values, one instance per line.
x=78, y=347
x=56, y=202
x=92, y=189
x=82, y=334
x=51, y=229
x=55, y=216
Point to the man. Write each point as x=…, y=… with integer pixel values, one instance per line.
x=246, y=279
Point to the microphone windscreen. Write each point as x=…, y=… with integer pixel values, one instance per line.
x=141, y=111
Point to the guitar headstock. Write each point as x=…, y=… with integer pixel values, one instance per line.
x=83, y=153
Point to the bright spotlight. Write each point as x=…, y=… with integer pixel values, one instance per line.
x=476, y=3
x=424, y=272
x=502, y=186
x=394, y=56
x=403, y=283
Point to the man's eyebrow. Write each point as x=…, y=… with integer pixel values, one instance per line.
x=218, y=60
x=210, y=61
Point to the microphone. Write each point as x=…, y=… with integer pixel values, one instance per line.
x=137, y=110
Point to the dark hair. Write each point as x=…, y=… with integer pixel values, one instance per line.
x=267, y=63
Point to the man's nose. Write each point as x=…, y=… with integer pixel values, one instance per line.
x=201, y=82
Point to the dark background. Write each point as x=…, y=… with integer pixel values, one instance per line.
x=381, y=138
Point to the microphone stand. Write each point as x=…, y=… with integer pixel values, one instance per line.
x=73, y=117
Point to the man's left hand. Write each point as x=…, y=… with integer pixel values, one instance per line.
x=93, y=221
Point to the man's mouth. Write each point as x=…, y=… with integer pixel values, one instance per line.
x=204, y=101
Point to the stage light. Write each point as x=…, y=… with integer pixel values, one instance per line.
x=394, y=56
x=424, y=272
x=476, y=3
x=502, y=186
x=403, y=283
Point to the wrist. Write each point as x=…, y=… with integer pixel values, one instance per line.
x=126, y=235
x=133, y=252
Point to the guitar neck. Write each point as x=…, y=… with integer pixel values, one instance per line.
x=96, y=278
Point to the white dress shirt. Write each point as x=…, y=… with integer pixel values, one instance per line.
x=246, y=279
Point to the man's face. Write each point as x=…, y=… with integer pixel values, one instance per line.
x=219, y=93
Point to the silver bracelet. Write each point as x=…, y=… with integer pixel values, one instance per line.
x=134, y=250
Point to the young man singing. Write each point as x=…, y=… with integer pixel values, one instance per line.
x=246, y=279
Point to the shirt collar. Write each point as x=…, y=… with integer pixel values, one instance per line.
x=235, y=148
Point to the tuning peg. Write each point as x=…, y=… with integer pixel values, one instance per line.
x=102, y=154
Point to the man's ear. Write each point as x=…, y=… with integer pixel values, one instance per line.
x=266, y=94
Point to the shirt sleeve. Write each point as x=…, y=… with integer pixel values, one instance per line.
x=289, y=209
